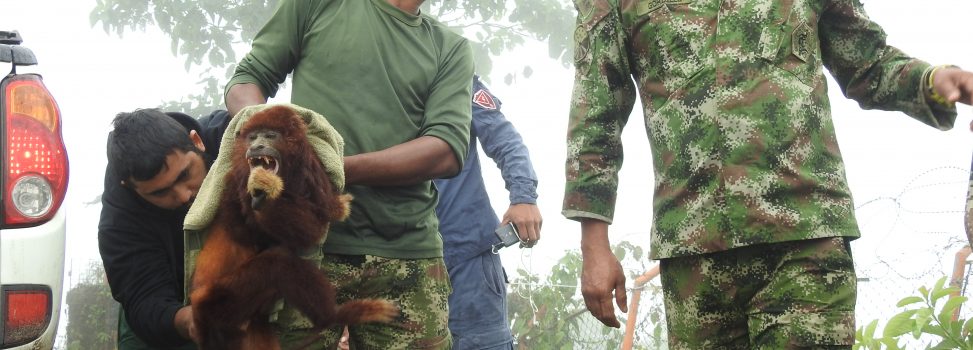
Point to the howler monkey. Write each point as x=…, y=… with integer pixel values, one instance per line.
x=277, y=202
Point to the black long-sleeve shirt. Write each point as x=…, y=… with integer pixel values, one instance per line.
x=141, y=247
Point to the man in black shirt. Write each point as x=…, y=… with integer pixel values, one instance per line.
x=156, y=163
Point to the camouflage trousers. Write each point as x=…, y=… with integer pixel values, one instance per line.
x=420, y=288
x=791, y=295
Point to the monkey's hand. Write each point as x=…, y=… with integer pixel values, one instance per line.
x=263, y=184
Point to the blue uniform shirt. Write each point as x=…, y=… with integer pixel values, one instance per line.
x=466, y=217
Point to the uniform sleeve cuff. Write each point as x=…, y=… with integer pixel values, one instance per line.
x=938, y=116
x=578, y=215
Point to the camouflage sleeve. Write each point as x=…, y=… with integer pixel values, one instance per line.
x=600, y=105
x=870, y=71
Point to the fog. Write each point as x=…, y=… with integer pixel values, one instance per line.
x=95, y=75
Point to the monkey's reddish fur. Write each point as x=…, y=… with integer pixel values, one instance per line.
x=250, y=258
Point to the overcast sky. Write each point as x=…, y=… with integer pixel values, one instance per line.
x=94, y=75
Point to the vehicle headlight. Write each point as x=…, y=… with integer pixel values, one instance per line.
x=32, y=196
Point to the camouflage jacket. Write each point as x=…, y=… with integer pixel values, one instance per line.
x=737, y=112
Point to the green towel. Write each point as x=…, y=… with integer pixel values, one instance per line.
x=321, y=135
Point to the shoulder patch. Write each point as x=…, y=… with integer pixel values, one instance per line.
x=804, y=41
x=484, y=99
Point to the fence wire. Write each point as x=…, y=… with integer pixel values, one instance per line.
x=909, y=239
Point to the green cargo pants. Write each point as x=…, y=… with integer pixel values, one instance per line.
x=791, y=295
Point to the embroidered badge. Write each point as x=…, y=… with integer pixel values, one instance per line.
x=581, y=43
x=483, y=99
x=803, y=42
x=648, y=6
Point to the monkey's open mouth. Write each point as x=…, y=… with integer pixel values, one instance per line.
x=266, y=162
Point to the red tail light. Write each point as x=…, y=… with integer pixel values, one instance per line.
x=35, y=177
x=26, y=313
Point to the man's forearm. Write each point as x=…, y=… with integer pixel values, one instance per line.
x=242, y=95
x=594, y=235
x=422, y=159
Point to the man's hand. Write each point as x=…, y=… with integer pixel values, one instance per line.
x=528, y=220
x=184, y=323
x=955, y=84
x=601, y=274
x=343, y=342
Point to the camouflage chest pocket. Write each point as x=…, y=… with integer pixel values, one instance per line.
x=791, y=41
x=670, y=36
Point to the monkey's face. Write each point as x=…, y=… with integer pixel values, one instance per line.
x=264, y=159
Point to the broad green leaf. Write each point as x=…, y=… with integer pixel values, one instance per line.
x=900, y=324
x=955, y=329
x=939, y=294
x=890, y=343
x=946, y=344
x=953, y=304
x=908, y=301
x=870, y=329
x=968, y=326
x=940, y=283
x=934, y=330
x=923, y=319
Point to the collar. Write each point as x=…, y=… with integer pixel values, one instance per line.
x=402, y=16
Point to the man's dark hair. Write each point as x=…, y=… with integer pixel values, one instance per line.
x=141, y=140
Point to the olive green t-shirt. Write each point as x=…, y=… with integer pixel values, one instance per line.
x=381, y=77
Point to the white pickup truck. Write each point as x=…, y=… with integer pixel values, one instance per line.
x=33, y=184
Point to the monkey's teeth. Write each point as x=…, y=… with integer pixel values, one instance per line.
x=271, y=164
x=265, y=162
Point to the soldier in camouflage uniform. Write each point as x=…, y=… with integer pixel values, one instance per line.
x=752, y=212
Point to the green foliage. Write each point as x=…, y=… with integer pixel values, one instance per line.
x=92, y=313
x=208, y=33
x=551, y=314
x=926, y=315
